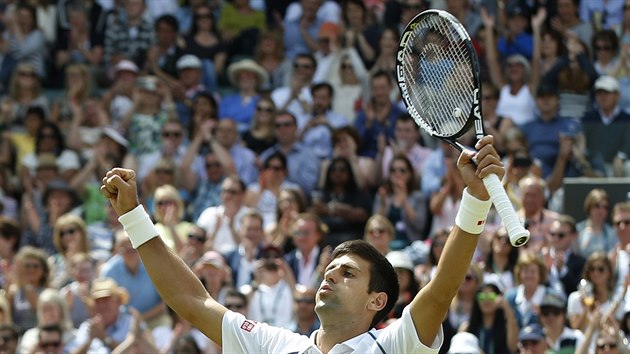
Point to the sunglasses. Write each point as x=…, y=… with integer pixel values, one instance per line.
x=601, y=206
x=230, y=191
x=304, y=301
x=203, y=15
x=398, y=170
x=491, y=296
x=164, y=202
x=377, y=230
x=339, y=169
x=163, y=171
x=607, y=346
x=213, y=165
x=345, y=66
x=302, y=66
x=600, y=269
x=529, y=343
x=55, y=344
x=559, y=235
x=234, y=306
x=167, y=134
x=622, y=222
x=283, y=124
x=264, y=109
x=550, y=312
x=68, y=232
x=197, y=238
x=7, y=338
x=275, y=168
x=604, y=48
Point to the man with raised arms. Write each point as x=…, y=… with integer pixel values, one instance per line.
x=358, y=290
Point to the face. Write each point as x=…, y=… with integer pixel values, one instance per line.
x=552, y=317
x=48, y=142
x=303, y=69
x=252, y=230
x=533, y=198
x=285, y=128
x=226, y=133
x=532, y=346
x=276, y=169
x=515, y=72
x=410, y=9
x=51, y=314
x=603, y=50
x=488, y=300
x=247, y=80
x=25, y=20
x=548, y=105
x=607, y=101
x=83, y=271
x=32, y=270
x=236, y=304
x=50, y=342
x=549, y=46
x=129, y=254
x=134, y=8
x=501, y=243
x=204, y=17
x=164, y=205
x=172, y=135
x=566, y=9
x=8, y=342
x=354, y=13
x=304, y=300
x=70, y=237
x=344, y=289
x=530, y=275
x=388, y=42
x=621, y=221
x=560, y=236
x=305, y=235
x=322, y=100
x=107, y=307
x=339, y=173
x=165, y=35
x=404, y=278
x=231, y=193
x=399, y=171
x=378, y=236
x=598, y=273
x=214, y=169
x=190, y=77
x=348, y=76
x=264, y=112
x=287, y=202
x=599, y=210
x=607, y=344
x=381, y=89
x=406, y=132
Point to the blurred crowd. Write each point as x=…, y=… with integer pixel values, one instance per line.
x=265, y=133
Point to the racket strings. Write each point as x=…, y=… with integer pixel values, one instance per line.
x=438, y=69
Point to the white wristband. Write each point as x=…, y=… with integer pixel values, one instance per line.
x=472, y=213
x=139, y=226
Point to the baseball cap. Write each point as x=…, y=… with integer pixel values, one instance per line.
x=606, y=83
x=188, y=61
x=464, y=343
x=115, y=136
x=400, y=259
x=553, y=300
x=126, y=65
x=516, y=8
x=531, y=332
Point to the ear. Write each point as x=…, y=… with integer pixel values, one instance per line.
x=377, y=301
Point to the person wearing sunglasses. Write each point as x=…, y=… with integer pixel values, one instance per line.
x=564, y=264
x=553, y=319
x=70, y=237
x=595, y=233
x=619, y=255
x=306, y=321
x=50, y=340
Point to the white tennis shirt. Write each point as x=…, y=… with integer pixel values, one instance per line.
x=241, y=335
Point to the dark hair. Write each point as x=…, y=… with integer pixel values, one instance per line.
x=512, y=256
x=441, y=232
x=475, y=324
x=351, y=183
x=236, y=293
x=37, y=111
x=185, y=340
x=412, y=183
x=382, y=73
x=557, y=37
x=9, y=229
x=382, y=274
x=349, y=130
x=56, y=132
x=298, y=195
x=23, y=5
x=10, y=327
x=308, y=56
x=568, y=220
x=236, y=179
x=609, y=36
x=276, y=156
x=169, y=20
x=358, y=3
x=213, y=27
x=323, y=85
x=51, y=328
x=287, y=113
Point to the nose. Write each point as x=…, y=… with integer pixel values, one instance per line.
x=329, y=276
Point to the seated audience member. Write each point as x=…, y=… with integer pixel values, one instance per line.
x=69, y=237
x=342, y=206
x=607, y=130
x=531, y=339
x=464, y=343
x=379, y=232
x=594, y=232
x=402, y=202
x=110, y=322
x=242, y=259
x=263, y=195
x=26, y=41
x=309, y=234
x=537, y=218
x=121, y=42
x=247, y=77
x=444, y=203
x=501, y=259
x=31, y=276
x=163, y=55
x=51, y=311
x=306, y=321
x=291, y=203
x=117, y=101
x=564, y=264
x=261, y=134
x=295, y=97
x=553, y=319
x=194, y=246
x=302, y=164
x=169, y=217
x=49, y=339
x=214, y=274
x=11, y=235
x=243, y=159
x=409, y=286
x=126, y=270
x=222, y=222
x=77, y=293
x=240, y=25
x=406, y=141
x=10, y=336
x=24, y=91
x=316, y=135
x=620, y=255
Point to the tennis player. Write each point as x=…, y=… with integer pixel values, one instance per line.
x=358, y=290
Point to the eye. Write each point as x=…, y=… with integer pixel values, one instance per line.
x=348, y=274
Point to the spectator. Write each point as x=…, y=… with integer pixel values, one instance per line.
x=222, y=222
x=343, y=206
x=247, y=77
x=300, y=30
x=242, y=260
x=190, y=74
x=359, y=34
x=11, y=234
x=464, y=11
x=619, y=255
x=492, y=320
x=101, y=235
x=408, y=285
x=501, y=259
x=516, y=39
x=553, y=319
x=599, y=272
x=31, y=276
x=461, y=306
x=69, y=238
x=406, y=141
x=77, y=293
x=348, y=78
x=119, y=42
x=10, y=336
x=7, y=63
x=308, y=233
x=306, y=321
x=605, y=51
x=606, y=130
x=204, y=41
x=444, y=204
x=345, y=142
x=173, y=147
x=24, y=92
x=49, y=340
x=291, y=203
x=109, y=324
x=169, y=216
x=328, y=51
x=51, y=312
x=162, y=58
x=494, y=124
x=302, y=164
x=117, y=101
x=78, y=85
x=567, y=21
x=214, y=274
x=261, y=134
x=164, y=173
x=295, y=97
x=203, y=108
x=424, y=272
x=386, y=52
x=379, y=232
x=376, y=120
x=194, y=246
x=537, y=218
x=602, y=16
x=243, y=159
x=27, y=42
x=531, y=277
x=316, y=134
x=126, y=269
x=531, y=340
x=236, y=301
x=595, y=233
x=464, y=343
x=240, y=25
x=206, y=191
x=622, y=69
x=270, y=54
x=563, y=263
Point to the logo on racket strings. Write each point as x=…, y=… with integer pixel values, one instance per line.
x=477, y=114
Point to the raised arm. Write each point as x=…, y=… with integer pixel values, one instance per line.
x=176, y=283
x=430, y=306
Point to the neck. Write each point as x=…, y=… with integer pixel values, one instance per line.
x=500, y=260
x=488, y=320
x=285, y=147
x=529, y=291
x=553, y=333
x=596, y=225
x=338, y=332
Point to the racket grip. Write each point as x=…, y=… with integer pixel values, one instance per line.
x=517, y=233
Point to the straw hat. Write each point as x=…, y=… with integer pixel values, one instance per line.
x=246, y=65
x=108, y=287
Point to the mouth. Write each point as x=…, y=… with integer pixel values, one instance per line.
x=325, y=288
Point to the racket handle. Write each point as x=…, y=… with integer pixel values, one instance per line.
x=517, y=233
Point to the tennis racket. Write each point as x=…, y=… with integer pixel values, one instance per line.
x=438, y=75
